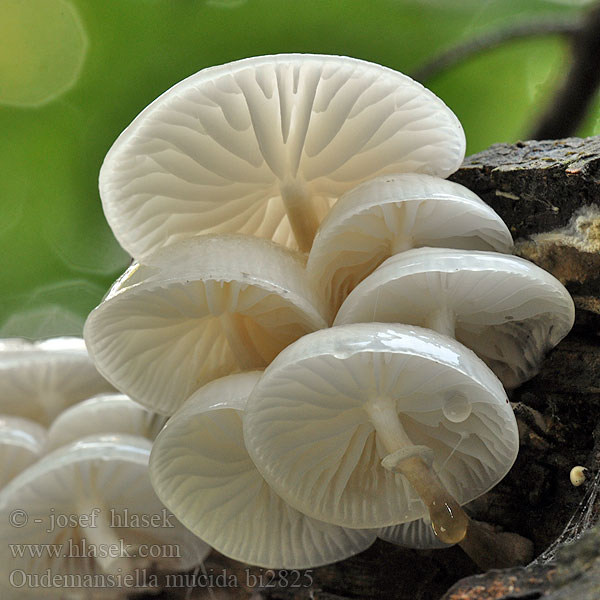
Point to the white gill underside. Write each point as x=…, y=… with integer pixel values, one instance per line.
x=509, y=320
x=202, y=472
x=40, y=389
x=161, y=344
x=328, y=455
x=223, y=150
x=392, y=214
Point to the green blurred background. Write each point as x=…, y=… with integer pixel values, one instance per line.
x=74, y=73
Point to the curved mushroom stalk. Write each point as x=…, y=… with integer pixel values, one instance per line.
x=448, y=519
x=301, y=213
x=336, y=402
x=487, y=548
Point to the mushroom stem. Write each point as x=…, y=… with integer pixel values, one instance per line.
x=401, y=243
x=448, y=520
x=492, y=550
x=443, y=321
x=240, y=342
x=301, y=214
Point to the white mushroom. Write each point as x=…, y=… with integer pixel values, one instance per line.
x=201, y=470
x=40, y=379
x=106, y=413
x=93, y=502
x=197, y=310
x=265, y=145
x=415, y=534
x=22, y=442
x=394, y=213
x=506, y=309
x=370, y=425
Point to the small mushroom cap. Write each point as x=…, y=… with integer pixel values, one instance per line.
x=309, y=433
x=103, y=474
x=218, y=151
x=577, y=475
x=506, y=309
x=201, y=470
x=22, y=442
x=40, y=379
x=197, y=310
x=415, y=534
x=394, y=213
x=106, y=413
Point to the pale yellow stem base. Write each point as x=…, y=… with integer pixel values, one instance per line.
x=448, y=519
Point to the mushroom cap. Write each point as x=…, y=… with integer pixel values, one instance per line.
x=106, y=473
x=508, y=310
x=391, y=214
x=22, y=442
x=308, y=432
x=105, y=413
x=415, y=534
x=215, y=153
x=40, y=379
x=201, y=470
x=197, y=310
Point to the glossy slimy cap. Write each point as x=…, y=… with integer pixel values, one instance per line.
x=506, y=309
x=308, y=430
x=201, y=470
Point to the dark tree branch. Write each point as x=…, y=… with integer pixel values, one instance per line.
x=567, y=110
x=572, y=101
x=492, y=39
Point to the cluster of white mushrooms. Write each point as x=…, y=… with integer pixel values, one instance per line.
x=74, y=456
x=290, y=213
x=327, y=321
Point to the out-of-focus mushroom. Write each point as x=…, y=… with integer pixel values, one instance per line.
x=93, y=502
x=22, y=442
x=370, y=425
x=40, y=379
x=197, y=310
x=394, y=213
x=201, y=470
x=265, y=145
x=106, y=413
x=506, y=309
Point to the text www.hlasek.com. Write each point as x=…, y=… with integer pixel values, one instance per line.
x=84, y=549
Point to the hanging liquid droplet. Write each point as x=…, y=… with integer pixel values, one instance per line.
x=448, y=520
x=457, y=408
